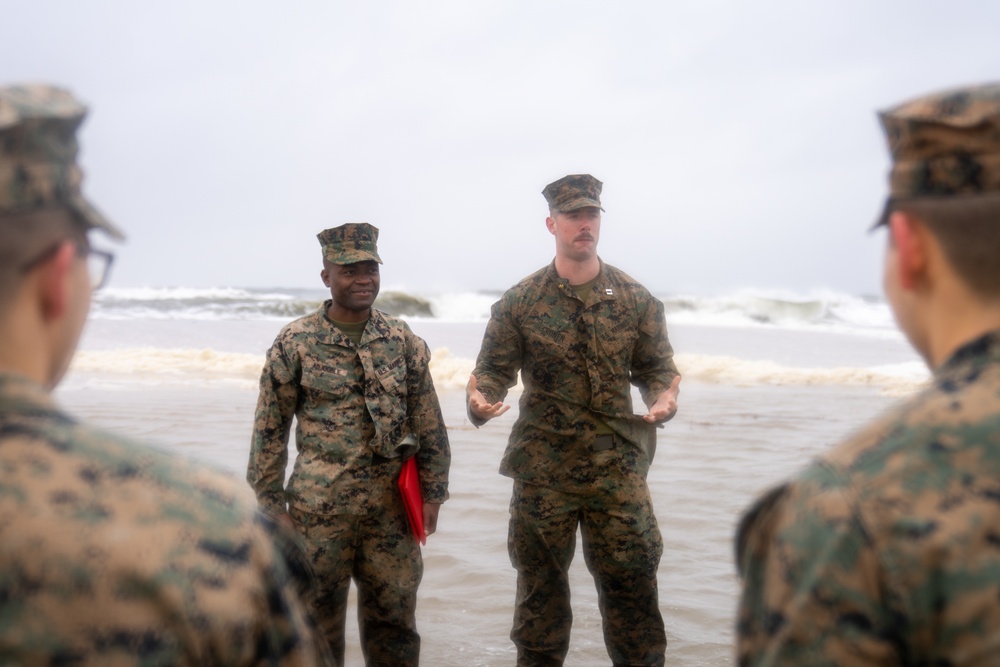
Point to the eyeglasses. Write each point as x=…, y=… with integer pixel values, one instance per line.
x=98, y=262
x=99, y=267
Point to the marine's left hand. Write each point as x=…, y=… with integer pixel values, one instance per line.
x=431, y=517
x=665, y=407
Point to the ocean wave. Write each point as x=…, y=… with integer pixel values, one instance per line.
x=183, y=303
x=157, y=366
x=822, y=310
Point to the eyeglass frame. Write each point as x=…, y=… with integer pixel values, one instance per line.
x=83, y=250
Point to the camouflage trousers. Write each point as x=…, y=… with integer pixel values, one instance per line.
x=622, y=546
x=378, y=551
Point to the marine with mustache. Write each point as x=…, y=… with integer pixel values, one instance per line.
x=357, y=382
x=580, y=331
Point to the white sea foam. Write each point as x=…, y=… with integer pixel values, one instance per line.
x=896, y=379
x=157, y=366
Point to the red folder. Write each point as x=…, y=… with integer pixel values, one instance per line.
x=413, y=497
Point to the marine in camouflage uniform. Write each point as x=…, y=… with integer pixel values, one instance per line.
x=580, y=332
x=110, y=553
x=363, y=401
x=886, y=550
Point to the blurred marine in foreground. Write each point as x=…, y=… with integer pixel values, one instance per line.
x=887, y=549
x=110, y=553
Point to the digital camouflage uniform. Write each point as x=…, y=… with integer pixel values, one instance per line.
x=577, y=360
x=887, y=549
x=360, y=412
x=112, y=553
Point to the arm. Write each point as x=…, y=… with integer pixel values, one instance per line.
x=424, y=412
x=653, y=368
x=496, y=367
x=276, y=405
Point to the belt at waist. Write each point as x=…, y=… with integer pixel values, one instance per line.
x=606, y=442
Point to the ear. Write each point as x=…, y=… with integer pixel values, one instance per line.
x=550, y=223
x=325, y=275
x=909, y=239
x=54, y=278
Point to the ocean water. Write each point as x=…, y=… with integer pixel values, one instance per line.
x=770, y=380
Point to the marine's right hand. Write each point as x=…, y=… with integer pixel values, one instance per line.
x=479, y=406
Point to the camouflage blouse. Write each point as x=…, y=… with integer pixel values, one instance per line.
x=577, y=360
x=351, y=404
x=116, y=554
x=887, y=549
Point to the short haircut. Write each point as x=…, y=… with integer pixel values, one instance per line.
x=968, y=229
x=26, y=236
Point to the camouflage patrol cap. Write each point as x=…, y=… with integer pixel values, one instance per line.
x=944, y=145
x=572, y=192
x=350, y=243
x=38, y=150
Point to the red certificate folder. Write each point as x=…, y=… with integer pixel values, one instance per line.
x=413, y=497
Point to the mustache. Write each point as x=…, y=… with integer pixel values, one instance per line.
x=586, y=236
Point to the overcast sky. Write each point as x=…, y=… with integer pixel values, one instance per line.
x=737, y=140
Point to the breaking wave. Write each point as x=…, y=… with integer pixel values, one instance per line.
x=816, y=311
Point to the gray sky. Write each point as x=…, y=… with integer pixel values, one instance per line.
x=737, y=141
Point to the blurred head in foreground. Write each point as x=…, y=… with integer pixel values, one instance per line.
x=47, y=266
x=943, y=216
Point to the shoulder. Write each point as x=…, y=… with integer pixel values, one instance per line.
x=929, y=467
x=314, y=322
x=393, y=328
x=528, y=288
x=184, y=540
x=296, y=340
x=213, y=497
x=114, y=491
x=941, y=432
x=394, y=331
x=626, y=283
x=384, y=321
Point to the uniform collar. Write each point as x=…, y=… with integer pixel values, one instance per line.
x=984, y=349
x=377, y=327
x=18, y=391
x=602, y=285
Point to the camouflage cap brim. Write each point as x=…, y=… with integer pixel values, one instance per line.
x=93, y=218
x=578, y=204
x=352, y=256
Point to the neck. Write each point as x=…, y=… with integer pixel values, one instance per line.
x=23, y=347
x=340, y=314
x=950, y=327
x=578, y=272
